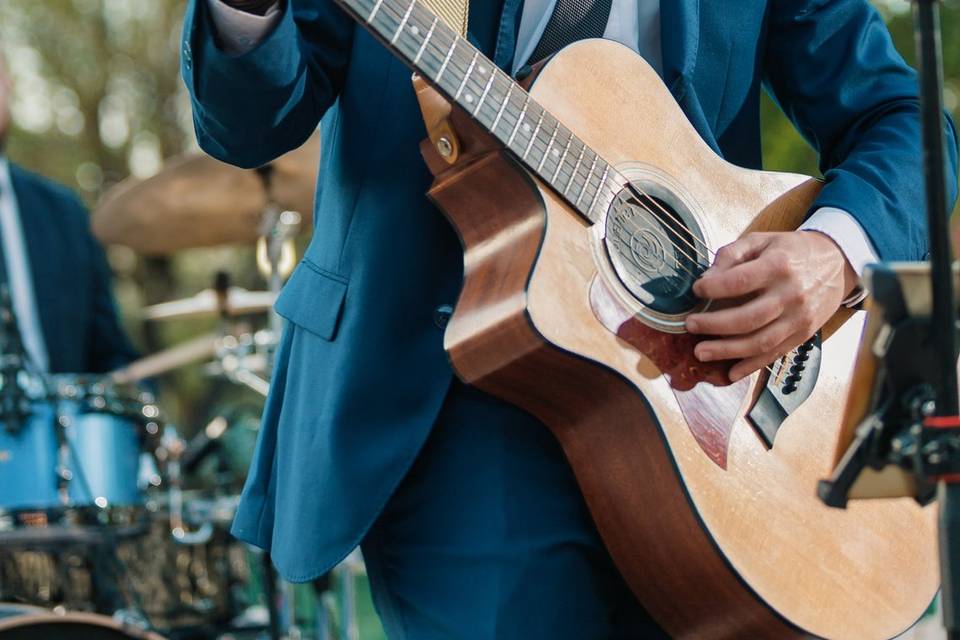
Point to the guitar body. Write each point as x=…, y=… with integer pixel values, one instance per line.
x=717, y=535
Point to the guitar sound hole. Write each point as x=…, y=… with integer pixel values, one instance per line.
x=656, y=247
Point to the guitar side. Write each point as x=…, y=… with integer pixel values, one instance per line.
x=739, y=550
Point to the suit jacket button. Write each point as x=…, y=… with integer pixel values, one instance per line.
x=441, y=315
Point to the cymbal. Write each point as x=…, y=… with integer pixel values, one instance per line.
x=238, y=302
x=197, y=201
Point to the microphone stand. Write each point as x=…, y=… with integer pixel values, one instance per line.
x=943, y=330
x=915, y=418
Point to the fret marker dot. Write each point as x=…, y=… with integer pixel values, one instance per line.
x=415, y=30
x=468, y=98
x=556, y=153
x=481, y=69
x=526, y=127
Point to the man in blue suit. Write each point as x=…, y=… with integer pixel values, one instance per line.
x=469, y=519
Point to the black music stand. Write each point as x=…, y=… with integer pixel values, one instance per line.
x=913, y=422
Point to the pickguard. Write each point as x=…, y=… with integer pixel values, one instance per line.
x=709, y=402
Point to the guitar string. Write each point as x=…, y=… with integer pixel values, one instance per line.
x=536, y=141
x=616, y=175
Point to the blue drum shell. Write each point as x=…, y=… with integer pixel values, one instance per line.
x=103, y=460
x=28, y=462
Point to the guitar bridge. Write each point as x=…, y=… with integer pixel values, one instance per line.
x=790, y=382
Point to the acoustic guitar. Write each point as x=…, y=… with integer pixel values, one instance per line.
x=587, y=206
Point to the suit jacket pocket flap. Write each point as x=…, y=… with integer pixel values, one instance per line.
x=313, y=299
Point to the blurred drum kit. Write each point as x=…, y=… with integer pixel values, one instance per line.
x=99, y=538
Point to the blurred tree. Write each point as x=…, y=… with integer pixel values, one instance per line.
x=98, y=95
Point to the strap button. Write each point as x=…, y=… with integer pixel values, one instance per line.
x=441, y=315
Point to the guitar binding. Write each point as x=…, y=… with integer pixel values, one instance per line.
x=651, y=247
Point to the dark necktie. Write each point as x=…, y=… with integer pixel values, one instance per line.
x=571, y=20
x=3, y=260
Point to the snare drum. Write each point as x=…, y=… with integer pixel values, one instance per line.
x=82, y=446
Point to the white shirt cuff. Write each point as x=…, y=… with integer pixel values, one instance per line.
x=238, y=31
x=844, y=229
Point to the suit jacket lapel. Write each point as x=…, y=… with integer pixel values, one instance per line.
x=507, y=34
x=679, y=35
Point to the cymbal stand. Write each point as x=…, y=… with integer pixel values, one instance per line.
x=916, y=419
x=278, y=227
x=233, y=354
x=278, y=230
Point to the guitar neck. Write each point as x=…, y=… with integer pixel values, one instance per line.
x=493, y=99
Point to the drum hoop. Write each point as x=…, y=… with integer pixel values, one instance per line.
x=119, y=522
x=93, y=619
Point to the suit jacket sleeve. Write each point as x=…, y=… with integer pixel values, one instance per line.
x=250, y=108
x=834, y=70
x=107, y=346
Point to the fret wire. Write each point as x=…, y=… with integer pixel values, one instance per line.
x=406, y=16
x=559, y=154
x=587, y=181
x=376, y=8
x=533, y=136
x=423, y=45
x=576, y=166
x=566, y=150
x=492, y=97
x=446, y=61
x=473, y=61
x=523, y=113
x=503, y=105
x=486, y=90
x=546, y=151
x=596, y=195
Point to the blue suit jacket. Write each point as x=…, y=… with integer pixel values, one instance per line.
x=71, y=279
x=362, y=369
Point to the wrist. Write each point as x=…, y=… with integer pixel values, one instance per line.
x=851, y=280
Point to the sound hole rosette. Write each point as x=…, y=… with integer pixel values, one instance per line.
x=650, y=252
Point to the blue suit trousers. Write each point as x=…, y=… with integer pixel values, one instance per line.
x=488, y=537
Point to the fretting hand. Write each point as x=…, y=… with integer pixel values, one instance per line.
x=795, y=282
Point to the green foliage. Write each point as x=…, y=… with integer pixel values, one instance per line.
x=785, y=150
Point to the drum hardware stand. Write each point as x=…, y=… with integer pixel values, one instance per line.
x=14, y=406
x=275, y=245
x=14, y=400
x=275, y=252
x=178, y=528
x=916, y=419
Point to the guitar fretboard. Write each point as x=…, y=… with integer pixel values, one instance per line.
x=501, y=106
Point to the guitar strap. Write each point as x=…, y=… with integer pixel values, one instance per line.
x=453, y=12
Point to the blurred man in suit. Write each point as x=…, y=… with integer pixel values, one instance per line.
x=56, y=271
x=59, y=287
x=469, y=518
